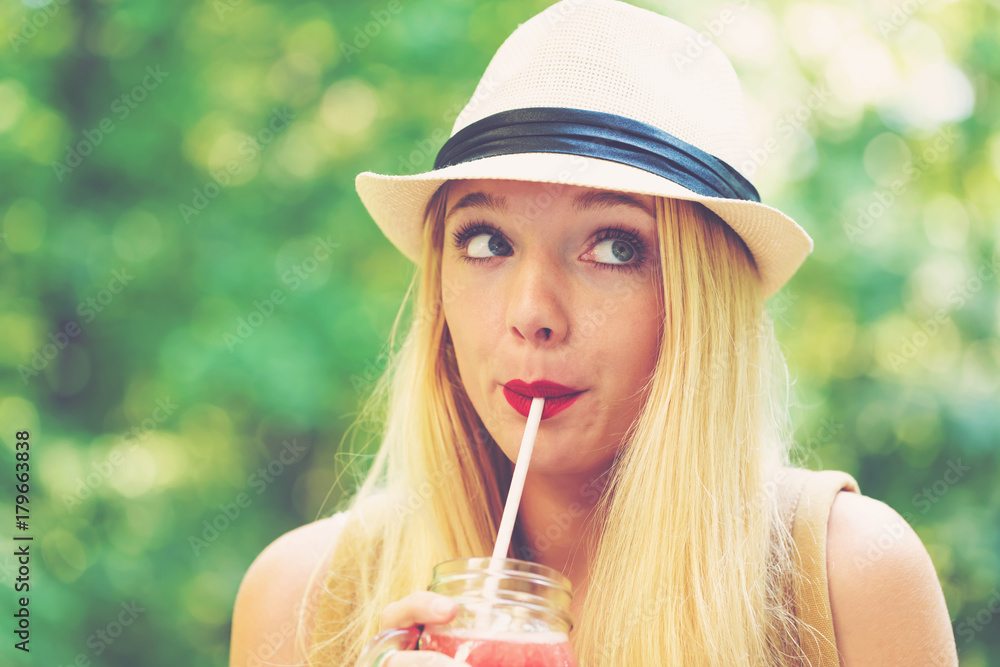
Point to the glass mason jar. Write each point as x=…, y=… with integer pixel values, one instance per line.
x=510, y=612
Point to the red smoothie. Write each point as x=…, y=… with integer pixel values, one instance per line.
x=505, y=649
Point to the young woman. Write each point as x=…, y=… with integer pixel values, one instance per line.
x=585, y=226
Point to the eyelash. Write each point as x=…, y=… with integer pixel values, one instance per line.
x=618, y=232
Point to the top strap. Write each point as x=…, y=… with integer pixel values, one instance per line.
x=812, y=494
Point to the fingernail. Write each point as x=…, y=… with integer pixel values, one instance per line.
x=442, y=606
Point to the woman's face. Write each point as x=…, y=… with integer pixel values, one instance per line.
x=553, y=282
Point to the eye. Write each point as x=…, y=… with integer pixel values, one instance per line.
x=480, y=241
x=487, y=245
x=614, y=251
x=618, y=248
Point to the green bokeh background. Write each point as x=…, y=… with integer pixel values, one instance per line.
x=142, y=346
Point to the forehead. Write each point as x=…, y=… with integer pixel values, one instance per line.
x=507, y=196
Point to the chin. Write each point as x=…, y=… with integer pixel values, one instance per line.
x=548, y=458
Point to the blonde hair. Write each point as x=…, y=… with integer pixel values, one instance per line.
x=689, y=490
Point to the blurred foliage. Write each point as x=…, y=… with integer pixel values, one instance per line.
x=193, y=298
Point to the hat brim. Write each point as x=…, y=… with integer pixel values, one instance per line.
x=397, y=204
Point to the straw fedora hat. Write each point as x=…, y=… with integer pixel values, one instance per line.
x=602, y=94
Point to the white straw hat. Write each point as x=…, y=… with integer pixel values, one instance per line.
x=602, y=94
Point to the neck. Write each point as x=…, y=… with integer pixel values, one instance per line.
x=556, y=524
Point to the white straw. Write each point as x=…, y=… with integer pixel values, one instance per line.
x=517, y=482
x=492, y=584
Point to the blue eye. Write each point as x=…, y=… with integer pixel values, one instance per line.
x=617, y=250
x=487, y=245
x=481, y=241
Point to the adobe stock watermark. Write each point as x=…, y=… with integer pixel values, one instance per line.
x=901, y=13
x=269, y=643
x=781, y=304
x=101, y=471
x=372, y=372
x=417, y=498
x=258, y=481
x=721, y=363
x=87, y=310
x=29, y=27
x=768, y=493
x=642, y=614
x=913, y=169
x=450, y=290
x=785, y=127
x=99, y=641
x=562, y=11
x=294, y=277
x=923, y=500
x=881, y=545
x=824, y=434
x=930, y=495
x=362, y=37
x=122, y=107
x=968, y=288
x=417, y=159
x=911, y=345
x=223, y=7
x=696, y=44
x=970, y=626
x=591, y=320
x=249, y=150
x=565, y=521
x=425, y=148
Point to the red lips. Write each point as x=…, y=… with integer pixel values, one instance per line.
x=557, y=397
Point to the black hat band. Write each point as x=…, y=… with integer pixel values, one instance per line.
x=598, y=135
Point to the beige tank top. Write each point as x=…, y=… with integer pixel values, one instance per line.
x=807, y=498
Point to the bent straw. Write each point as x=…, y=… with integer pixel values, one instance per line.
x=492, y=584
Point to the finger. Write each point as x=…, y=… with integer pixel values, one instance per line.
x=419, y=607
x=421, y=659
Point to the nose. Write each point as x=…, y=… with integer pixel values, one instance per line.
x=537, y=302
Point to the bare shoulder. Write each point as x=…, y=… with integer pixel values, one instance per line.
x=266, y=613
x=887, y=603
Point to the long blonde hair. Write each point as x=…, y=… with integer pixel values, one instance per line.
x=688, y=490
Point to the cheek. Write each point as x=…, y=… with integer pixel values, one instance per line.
x=651, y=330
x=469, y=315
x=453, y=303
x=635, y=335
x=475, y=351
x=472, y=304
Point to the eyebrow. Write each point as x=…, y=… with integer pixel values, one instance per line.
x=588, y=200
x=603, y=199
x=497, y=204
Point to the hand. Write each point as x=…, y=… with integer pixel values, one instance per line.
x=422, y=607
